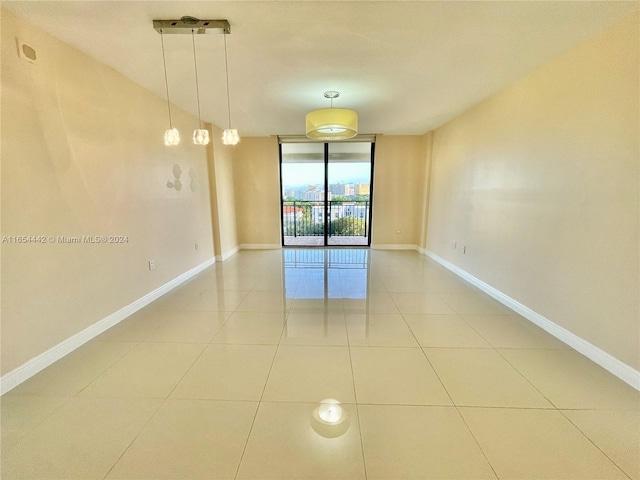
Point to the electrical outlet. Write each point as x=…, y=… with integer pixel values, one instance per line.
x=464, y=249
x=196, y=245
x=152, y=264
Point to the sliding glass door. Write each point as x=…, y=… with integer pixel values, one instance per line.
x=326, y=193
x=349, y=195
x=302, y=172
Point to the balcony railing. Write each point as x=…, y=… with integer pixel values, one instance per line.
x=343, y=218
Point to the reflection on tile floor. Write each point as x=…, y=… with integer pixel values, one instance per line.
x=223, y=378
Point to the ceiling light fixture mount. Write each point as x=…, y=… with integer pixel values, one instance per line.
x=331, y=94
x=332, y=123
x=185, y=24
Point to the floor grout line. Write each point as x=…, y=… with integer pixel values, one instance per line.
x=355, y=397
x=151, y=417
x=453, y=402
x=264, y=388
x=594, y=443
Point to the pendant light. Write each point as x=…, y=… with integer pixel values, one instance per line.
x=192, y=25
x=230, y=135
x=171, y=136
x=200, y=135
x=332, y=123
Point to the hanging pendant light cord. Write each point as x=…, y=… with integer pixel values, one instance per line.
x=226, y=70
x=195, y=65
x=166, y=82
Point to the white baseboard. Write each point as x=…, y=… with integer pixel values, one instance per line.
x=28, y=369
x=393, y=246
x=620, y=369
x=260, y=246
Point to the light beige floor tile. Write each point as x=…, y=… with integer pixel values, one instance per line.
x=264, y=302
x=421, y=303
x=356, y=283
x=19, y=414
x=475, y=303
x=316, y=305
x=315, y=329
x=444, y=331
x=536, y=444
x=26, y=411
x=571, y=381
x=161, y=350
x=275, y=282
x=70, y=374
x=189, y=439
x=379, y=330
x=80, y=441
x=481, y=377
x=616, y=433
x=211, y=300
x=228, y=372
x=446, y=284
x=189, y=327
x=310, y=374
x=512, y=331
x=135, y=328
x=412, y=267
x=236, y=280
x=374, y=284
x=385, y=375
x=204, y=282
x=318, y=285
x=283, y=445
x=252, y=328
x=375, y=302
x=411, y=442
x=150, y=370
x=405, y=283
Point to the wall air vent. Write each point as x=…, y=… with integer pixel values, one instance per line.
x=26, y=51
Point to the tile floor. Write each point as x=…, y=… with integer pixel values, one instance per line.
x=220, y=379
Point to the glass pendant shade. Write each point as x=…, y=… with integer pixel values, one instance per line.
x=201, y=136
x=332, y=124
x=171, y=137
x=230, y=137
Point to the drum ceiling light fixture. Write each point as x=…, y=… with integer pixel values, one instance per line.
x=332, y=123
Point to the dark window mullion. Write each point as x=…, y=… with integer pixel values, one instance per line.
x=326, y=194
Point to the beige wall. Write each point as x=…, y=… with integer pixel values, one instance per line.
x=257, y=186
x=224, y=216
x=398, y=189
x=83, y=154
x=540, y=182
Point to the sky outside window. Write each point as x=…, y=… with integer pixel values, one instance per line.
x=295, y=174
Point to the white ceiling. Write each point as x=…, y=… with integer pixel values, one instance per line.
x=406, y=67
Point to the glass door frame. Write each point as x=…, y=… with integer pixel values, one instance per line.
x=326, y=198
